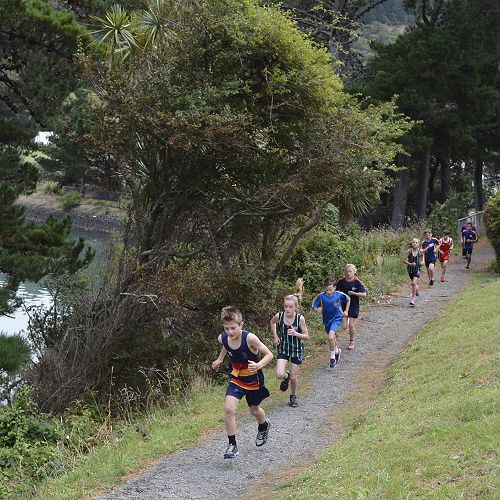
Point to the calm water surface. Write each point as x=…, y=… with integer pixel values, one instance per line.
x=36, y=294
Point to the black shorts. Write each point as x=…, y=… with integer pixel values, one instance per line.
x=254, y=398
x=414, y=274
x=428, y=262
x=466, y=251
x=295, y=360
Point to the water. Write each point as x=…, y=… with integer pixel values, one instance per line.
x=36, y=294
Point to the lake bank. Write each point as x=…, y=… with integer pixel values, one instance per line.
x=86, y=217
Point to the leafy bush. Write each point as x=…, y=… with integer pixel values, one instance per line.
x=27, y=443
x=70, y=200
x=49, y=187
x=445, y=216
x=327, y=251
x=14, y=352
x=492, y=222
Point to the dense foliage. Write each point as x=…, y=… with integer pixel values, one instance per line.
x=445, y=73
x=37, y=44
x=492, y=222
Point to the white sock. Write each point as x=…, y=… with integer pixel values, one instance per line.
x=332, y=354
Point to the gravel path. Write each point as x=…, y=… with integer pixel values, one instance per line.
x=298, y=436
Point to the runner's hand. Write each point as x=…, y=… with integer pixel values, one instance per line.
x=253, y=366
x=291, y=332
x=277, y=341
x=216, y=364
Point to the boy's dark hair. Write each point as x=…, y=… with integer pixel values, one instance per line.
x=469, y=224
x=231, y=313
x=446, y=232
x=329, y=281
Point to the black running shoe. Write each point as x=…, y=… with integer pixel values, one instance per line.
x=231, y=451
x=293, y=401
x=431, y=282
x=285, y=382
x=261, y=438
x=337, y=354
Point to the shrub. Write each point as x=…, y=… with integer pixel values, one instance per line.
x=70, y=200
x=326, y=252
x=27, y=443
x=14, y=352
x=49, y=187
x=492, y=222
x=446, y=215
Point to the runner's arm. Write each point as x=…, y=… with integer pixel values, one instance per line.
x=316, y=308
x=220, y=358
x=256, y=345
x=274, y=320
x=345, y=312
x=305, y=333
x=405, y=260
x=358, y=294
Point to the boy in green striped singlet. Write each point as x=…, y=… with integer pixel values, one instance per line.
x=289, y=331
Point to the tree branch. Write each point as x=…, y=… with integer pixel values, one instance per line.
x=311, y=223
x=368, y=8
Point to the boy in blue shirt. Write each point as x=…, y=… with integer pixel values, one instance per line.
x=469, y=237
x=430, y=248
x=334, y=306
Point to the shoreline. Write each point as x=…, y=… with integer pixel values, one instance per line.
x=87, y=218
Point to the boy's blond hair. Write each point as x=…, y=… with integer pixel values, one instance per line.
x=351, y=266
x=231, y=313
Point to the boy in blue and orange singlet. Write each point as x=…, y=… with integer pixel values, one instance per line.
x=246, y=378
x=334, y=306
x=469, y=237
x=430, y=248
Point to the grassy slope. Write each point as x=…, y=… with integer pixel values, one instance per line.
x=434, y=431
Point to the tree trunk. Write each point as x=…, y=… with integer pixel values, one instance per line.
x=423, y=185
x=445, y=163
x=478, y=184
x=433, y=168
x=400, y=192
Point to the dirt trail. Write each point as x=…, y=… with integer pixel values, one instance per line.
x=298, y=436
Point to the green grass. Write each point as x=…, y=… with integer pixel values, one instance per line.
x=434, y=432
x=127, y=451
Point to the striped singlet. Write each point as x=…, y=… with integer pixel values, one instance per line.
x=290, y=346
x=414, y=258
x=240, y=376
